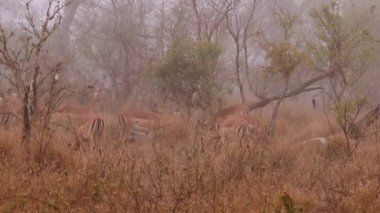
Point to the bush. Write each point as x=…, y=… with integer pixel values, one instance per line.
x=188, y=68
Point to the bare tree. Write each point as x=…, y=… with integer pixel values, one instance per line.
x=240, y=25
x=62, y=37
x=210, y=16
x=22, y=54
x=119, y=44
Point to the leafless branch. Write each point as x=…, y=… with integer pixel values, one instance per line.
x=305, y=87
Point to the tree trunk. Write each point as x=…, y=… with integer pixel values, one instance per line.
x=237, y=66
x=197, y=16
x=273, y=123
x=63, y=35
x=29, y=108
x=27, y=126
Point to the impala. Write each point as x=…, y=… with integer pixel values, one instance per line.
x=86, y=125
x=137, y=124
x=235, y=126
x=237, y=109
x=10, y=107
x=6, y=119
x=91, y=132
x=140, y=124
x=87, y=128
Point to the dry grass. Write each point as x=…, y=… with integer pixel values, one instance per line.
x=182, y=174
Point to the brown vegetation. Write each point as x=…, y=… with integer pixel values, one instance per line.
x=111, y=106
x=182, y=175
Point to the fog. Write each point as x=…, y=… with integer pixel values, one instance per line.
x=151, y=54
x=189, y=105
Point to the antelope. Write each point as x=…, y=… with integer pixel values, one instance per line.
x=236, y=126
x=6, y=120
x=86, y=125
x=9, y=109
x=140, y=124
x=231, y=122
x=221, y=115
x=91, y=131
x=137, y=124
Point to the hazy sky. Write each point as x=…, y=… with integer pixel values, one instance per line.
x=14, y=10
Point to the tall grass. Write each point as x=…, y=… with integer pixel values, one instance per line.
x=184, y=174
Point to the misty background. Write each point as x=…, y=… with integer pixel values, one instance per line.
x=222, y=50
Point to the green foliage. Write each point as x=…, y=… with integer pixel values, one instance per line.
x=289, y=205
x=343, y=45
x=283, y=59
x=346, y=112
x=188, y=68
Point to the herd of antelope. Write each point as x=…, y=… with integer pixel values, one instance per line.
x=88, y=125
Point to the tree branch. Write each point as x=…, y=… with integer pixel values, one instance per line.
x=301, y=89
